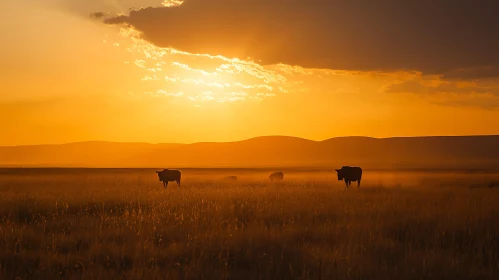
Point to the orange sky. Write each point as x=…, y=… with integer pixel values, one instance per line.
x=68, y=77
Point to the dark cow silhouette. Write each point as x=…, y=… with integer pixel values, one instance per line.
x=349, y=174
x=169, y=176
x=230, y=178
x=277, y=176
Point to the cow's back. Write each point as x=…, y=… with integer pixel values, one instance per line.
x=352, y=173
x=276, y=176
x=170, y=175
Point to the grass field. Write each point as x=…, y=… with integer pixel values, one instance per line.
x=107, y=224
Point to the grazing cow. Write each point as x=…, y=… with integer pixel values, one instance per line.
x=350, y=174
x=230, y=178
x=277, y=176
x=494, y=185
x=169, y=176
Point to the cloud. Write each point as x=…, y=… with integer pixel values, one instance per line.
x=175, y=94
x=97, y=15
x=482, y=101
x=172, y=3
x=109, y=7
x=116, y=20
x=438, y=91
x=423, y=86
x=175, y=71
x=434, y=37
x=472, y=73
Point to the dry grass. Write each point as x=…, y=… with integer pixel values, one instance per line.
x=106, y=225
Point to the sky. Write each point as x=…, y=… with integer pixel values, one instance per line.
x=225, y=70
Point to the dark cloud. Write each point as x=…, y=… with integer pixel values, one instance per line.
x=434, y=37
x=410, y=86
x=97, y=15
x=484, y=102
x=472, y=73
x=419, y=87
x=454, y=94
x=116, y=20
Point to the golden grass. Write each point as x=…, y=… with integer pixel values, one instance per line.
x=106, y=225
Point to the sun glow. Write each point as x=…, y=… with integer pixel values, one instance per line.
x=202, y=78
x=172, y=3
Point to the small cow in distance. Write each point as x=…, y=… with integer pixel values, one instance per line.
x=277, y=176
x=350, y=174
x=230, y=178
x=169, y=176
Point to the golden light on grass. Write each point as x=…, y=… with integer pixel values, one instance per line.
x=100, y=224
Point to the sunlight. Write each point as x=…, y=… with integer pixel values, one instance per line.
x=201, y=77
x=172, y=3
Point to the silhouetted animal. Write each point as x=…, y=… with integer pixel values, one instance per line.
x=230, y=178
x=350, y=174
x=277, y=176
x=169, y=176
x=494, y=185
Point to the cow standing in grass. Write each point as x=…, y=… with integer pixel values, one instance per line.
x=278, y=176
x=230, y=178
x=169, y=176
x=350, y=174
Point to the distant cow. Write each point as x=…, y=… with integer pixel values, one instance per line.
x=169, y=176
x=230, y=178
x=494, y=185
x=277, y=176
x=350, y=174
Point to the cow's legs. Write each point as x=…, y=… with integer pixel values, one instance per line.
x=178, y=183
x=165, y=184
x=346, y=184
x=358, y=183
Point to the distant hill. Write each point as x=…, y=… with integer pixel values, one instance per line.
x=461, y=152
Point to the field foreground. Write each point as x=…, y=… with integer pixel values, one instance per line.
x=124, y=224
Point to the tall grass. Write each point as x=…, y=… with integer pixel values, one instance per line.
x=105, y=226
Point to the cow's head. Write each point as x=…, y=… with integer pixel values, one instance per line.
x=340, y=174
x=159, y=174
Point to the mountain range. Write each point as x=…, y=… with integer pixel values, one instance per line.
x=460, y=152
